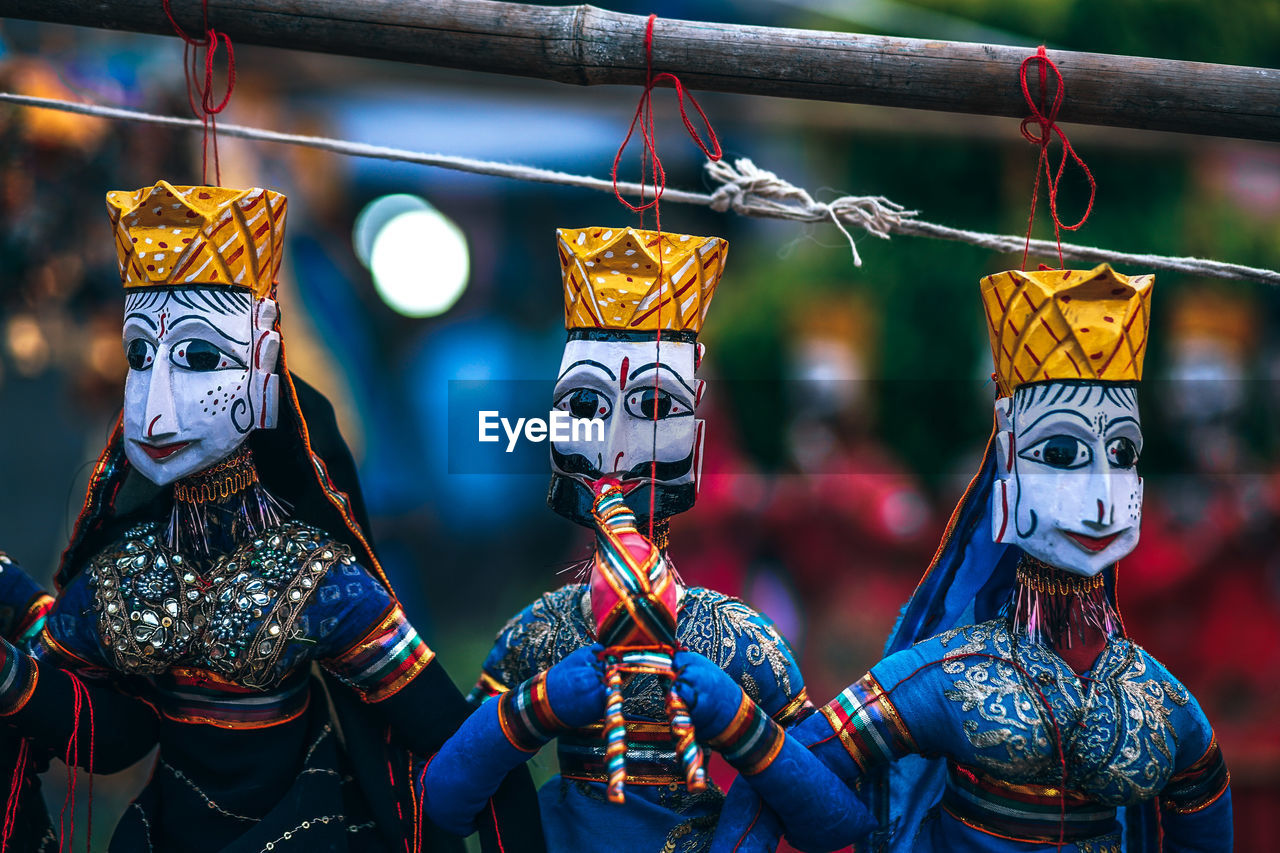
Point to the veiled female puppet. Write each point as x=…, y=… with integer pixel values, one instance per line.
x=221, y=552
x=1012, y=712
x=629, y=775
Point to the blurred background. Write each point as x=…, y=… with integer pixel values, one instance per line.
x=846, y=408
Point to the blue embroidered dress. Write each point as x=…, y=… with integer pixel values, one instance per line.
x=659, y=813
x=277, y=673
x=1034, y=755
x=969, y=736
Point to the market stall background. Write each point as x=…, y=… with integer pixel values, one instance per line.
x=844, y=404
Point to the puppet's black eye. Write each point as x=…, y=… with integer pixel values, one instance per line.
x=1059, y=451
x=140, y=354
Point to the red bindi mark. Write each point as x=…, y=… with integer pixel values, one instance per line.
x=622, y=378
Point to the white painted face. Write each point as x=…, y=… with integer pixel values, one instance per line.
x=1067, y=487
x=645, y=393
x=201, y=377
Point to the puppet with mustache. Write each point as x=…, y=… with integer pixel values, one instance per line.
x=630, y=768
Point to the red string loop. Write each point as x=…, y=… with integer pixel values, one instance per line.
x=200, y=95
x=207, y=100
x=650, y=163
x=1044, y=114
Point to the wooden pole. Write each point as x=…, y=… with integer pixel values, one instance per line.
x=587, y=46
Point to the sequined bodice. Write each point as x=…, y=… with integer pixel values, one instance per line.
x=156, y=612
x=1115, y=725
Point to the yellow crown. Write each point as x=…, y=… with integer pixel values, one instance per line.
x=627, y=280
x=1067, y=324
x=176, y=236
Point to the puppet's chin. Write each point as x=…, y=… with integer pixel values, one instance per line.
x=572, y=499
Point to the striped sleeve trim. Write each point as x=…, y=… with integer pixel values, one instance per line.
x=1198, y=786
x=33, y=619
x=526, y=717
x=486, y=688
x=47, y=647
x=794, y=711
x=384, y=661
x=869, y=726
x=752, y=741
x=18, y=677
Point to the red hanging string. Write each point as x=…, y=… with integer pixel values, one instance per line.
x=651, y=164
x=1045, y=114
x=70, y=759
x=200, y=95
x=16, y=784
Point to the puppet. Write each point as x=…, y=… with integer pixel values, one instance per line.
x=1012, y=712
x=629, y=772
x=222, y=551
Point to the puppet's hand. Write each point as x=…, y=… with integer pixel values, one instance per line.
x=575, y=688
x=19, y=593
x=712, y=696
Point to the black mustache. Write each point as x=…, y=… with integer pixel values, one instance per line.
x=576, y=463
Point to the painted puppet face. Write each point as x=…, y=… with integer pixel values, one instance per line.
x=201, y=364
x=645, y=394
x=1068, y=491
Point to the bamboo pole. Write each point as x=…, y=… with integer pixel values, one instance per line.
x=584, y=45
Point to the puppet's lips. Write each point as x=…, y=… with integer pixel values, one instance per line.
x=1092, y=543
x=624, y=486
x=162, y=451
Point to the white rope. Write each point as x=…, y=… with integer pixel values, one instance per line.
x=743, y=188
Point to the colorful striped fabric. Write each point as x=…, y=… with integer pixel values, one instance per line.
x=486, y=688
x=1027, y=813
x=17, y=679
x=752, y=741
x=526, y=717
x=651, y=754
x=1198, y=786
x=869, y=726
x=200, y=697
x=381, y=663
x=633, y=594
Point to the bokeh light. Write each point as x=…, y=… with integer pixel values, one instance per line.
x=419, y=258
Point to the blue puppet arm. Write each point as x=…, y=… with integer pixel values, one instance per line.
x=746, y=824
x=818, y=810
x=506, y=732
x=1195, y=807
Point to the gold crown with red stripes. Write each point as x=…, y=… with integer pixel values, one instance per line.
x=624, y=279
x=1067, y=324
x=169, y=236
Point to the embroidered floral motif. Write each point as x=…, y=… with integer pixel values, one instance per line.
x=155, y=611
x=1117, y=736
